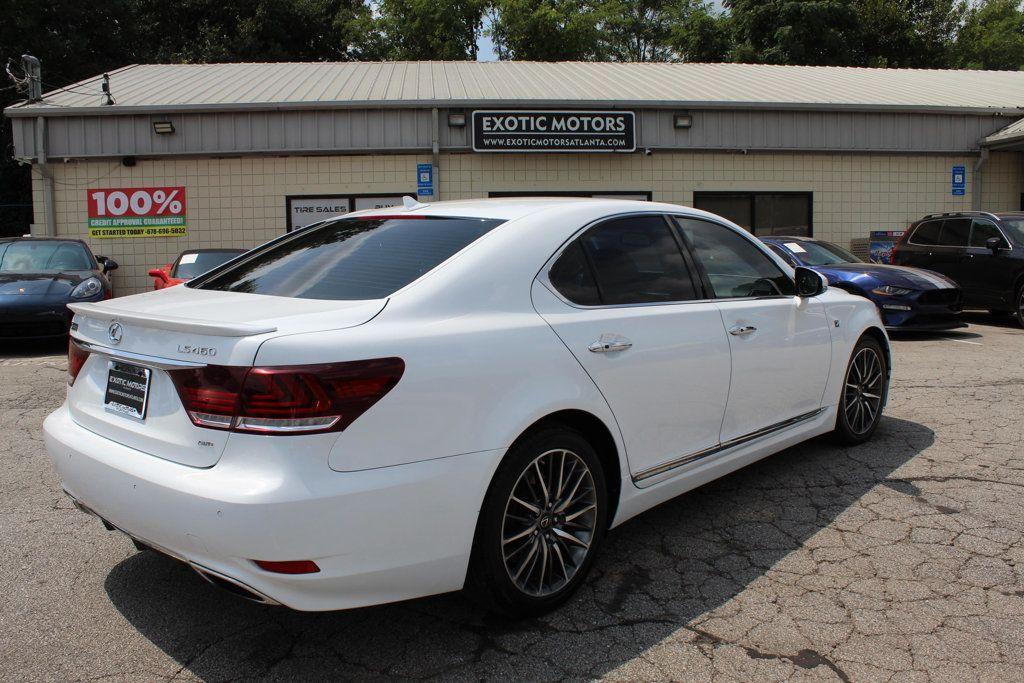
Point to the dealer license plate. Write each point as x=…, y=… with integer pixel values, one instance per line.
x=127, y=390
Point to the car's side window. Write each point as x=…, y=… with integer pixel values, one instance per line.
x=926, y=234
x=572, y=277
x=634, y=260
x=735, y=267
x=983, y=231
x=955, y=232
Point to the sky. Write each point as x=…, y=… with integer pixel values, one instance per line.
x=485, y=46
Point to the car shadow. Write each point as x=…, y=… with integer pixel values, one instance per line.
x=985, y=318
x=932, y=335
x=33, y=348
x=656, y=574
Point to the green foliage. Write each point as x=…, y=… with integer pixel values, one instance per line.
x=797, y=31
x=427, y=29
x=545, y=30
x=246, y=30
x=909, y=33
x=620, y=30
x=993, y=36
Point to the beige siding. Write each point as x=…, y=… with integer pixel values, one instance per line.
x=241, y=202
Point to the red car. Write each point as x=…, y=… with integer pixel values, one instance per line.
x=189, y=264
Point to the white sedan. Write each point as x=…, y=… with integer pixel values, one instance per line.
x=403, y=402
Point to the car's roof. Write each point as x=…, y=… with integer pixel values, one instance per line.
x=42, y=238
x=213, y=250
x=510, y=208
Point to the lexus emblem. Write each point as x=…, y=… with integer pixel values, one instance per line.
x=115, y=332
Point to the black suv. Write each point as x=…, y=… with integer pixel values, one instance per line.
x=983, y=252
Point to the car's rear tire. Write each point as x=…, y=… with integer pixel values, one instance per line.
x=1020, y=305
x=541, y=524
x=863, y=393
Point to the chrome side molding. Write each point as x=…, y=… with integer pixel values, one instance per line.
x=724, y=446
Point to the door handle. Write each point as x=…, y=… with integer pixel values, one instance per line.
x=608, y=343
x=742, y=331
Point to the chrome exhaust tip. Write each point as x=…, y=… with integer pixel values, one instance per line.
x=233, y=586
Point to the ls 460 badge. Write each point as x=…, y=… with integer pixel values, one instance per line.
x=197, y=350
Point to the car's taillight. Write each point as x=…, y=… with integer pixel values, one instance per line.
x=296, y=399
x=76, y=359
x=899, y=243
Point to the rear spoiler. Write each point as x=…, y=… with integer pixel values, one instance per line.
x=173, y=323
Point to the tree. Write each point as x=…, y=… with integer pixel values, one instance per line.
x=701, y=35
x=427, y=29
x=797, y=31
x=545, y=30
x=909, y=33
x=993, y=36
x=620, y=30
x=249, y=30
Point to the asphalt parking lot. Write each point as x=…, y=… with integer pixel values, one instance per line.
x=901, y=559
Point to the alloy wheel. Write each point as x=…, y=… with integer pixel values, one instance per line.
x=864, y=385
x=549, y=523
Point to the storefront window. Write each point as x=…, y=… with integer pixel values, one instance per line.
x=762, y=213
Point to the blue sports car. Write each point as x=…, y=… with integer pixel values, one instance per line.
x=907, y=298
x=39, y=277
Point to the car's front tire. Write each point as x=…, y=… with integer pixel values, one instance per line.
x=865, y=385
x=541, y=524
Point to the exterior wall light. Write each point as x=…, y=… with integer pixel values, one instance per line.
x=456, y=120
x=683, y=121
x=163, y=127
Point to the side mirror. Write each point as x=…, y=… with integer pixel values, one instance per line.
x=994, y=244
x=809, y=282
x=109, y=264
x=159, y=274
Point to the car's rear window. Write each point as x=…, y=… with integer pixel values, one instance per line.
x=352, y=258
x=193, y=263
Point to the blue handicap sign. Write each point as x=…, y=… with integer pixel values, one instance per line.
x=959, y=181
x=424, y=180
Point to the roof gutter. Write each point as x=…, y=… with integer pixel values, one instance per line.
x=44, y=109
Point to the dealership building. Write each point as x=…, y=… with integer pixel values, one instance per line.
x=230, y=155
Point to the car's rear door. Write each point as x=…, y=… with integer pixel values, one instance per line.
x=917, y=250
x=781, y=344
x=624, y=299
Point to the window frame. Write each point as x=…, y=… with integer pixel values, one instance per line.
x=758, y=245
x=1006, y=246
x=702, y=284
x=751, y=195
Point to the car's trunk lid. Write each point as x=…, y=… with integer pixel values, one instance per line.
x=179, y=328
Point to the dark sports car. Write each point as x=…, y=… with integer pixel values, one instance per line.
x=39, y=277
x=907, y=298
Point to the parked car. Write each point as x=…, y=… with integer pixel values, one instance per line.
x=907, y=298
x=407, y=401
x=39, y=277
x=982, y=251
x=189, y=264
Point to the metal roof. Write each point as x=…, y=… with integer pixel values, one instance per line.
x=155, y=88
x=1014, y=133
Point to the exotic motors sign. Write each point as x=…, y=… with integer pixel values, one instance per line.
x=137, y=212
x=554, y=131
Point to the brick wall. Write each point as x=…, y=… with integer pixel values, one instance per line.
x=240, y=202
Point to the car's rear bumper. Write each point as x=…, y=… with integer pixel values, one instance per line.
x=377, y=535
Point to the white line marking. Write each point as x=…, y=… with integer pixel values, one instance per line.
x=964, y=341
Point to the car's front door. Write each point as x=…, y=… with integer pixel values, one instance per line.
x=781, y=344
x=624, y=299
x=987, y=277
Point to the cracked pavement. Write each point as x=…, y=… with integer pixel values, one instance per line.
x=898, y=560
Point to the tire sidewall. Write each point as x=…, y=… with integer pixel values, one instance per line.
x=488, y=575
x=843, y=430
